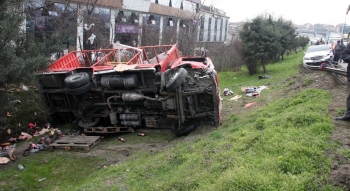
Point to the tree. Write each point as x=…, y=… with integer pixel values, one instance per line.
x=20, y=55
x=288, y=35
x=261, y=39
x=266, y=39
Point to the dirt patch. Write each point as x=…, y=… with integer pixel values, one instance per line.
x=340, y=168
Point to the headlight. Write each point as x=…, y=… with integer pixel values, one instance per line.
x=327, y=56
x=306, y=58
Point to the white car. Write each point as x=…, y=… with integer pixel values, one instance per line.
x=316, y=54
x=313, y=41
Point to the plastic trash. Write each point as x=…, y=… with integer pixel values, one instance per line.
x=249, y=104
x=141, y=134
x=25, y=88
x=227, y=92
x=322, y=66
x=263, y=77
x=41, y=179
x=20, y=167
x=250, y=90
x=15, y=102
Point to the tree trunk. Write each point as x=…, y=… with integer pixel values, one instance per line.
x=282, y=53
x=264, y=68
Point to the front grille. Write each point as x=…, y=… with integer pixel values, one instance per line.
x=316, y=58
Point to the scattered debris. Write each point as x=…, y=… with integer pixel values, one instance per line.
x=235, y=98
x=25, y=136
x=121, y=139
x=15, y=102
x=4, y=160
x=35, y=147
x=141, y=134
x=25, y=88
x=75, y=142
x=33, y=129
x=249, y=104
x=5, y=144
x=41, y=179
x=263, y=77
x=7, y=151
x=43, y=131
x=252, y=95
x=20, y=167
x=253, y=91
x=227, y=92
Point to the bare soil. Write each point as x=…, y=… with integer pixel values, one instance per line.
x=340, y=168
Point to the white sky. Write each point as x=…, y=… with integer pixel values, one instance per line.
x=298, y=11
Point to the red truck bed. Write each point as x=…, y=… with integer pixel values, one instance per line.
x=105, y=59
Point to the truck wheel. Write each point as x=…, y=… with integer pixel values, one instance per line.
x=77, y=80
x=80, y=90
x=186, y=128
x=176, y=79
x=89, y=123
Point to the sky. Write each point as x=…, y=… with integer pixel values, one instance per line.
x=298, y=11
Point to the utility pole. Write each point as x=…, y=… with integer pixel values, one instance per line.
x=347, y=11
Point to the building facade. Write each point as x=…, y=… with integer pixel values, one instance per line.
x=83, y=24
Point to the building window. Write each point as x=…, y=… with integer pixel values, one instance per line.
x=209, y=30
x=120, y=17
x=134, y=19
x=201, y=33
x=226, y=24
x=221, y=26
x=183, y=24
x=151, y=20
x=215, y=28
x=170, y=22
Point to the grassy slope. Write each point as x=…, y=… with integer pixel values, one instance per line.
x=278, y=144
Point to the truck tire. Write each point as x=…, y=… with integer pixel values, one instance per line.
x=93, y=123
x=77, y=80
x=176, y=79
x=186, y=128
x=80, y=90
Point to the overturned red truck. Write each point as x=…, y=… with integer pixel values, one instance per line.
x=124, y=88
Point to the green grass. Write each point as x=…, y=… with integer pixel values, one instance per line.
x=279, y=144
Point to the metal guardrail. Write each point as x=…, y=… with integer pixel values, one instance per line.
x=334, y=71
x=328, y=69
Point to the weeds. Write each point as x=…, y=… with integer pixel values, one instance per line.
x=307, y=82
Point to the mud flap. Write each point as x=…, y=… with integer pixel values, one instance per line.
x=186, y=128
